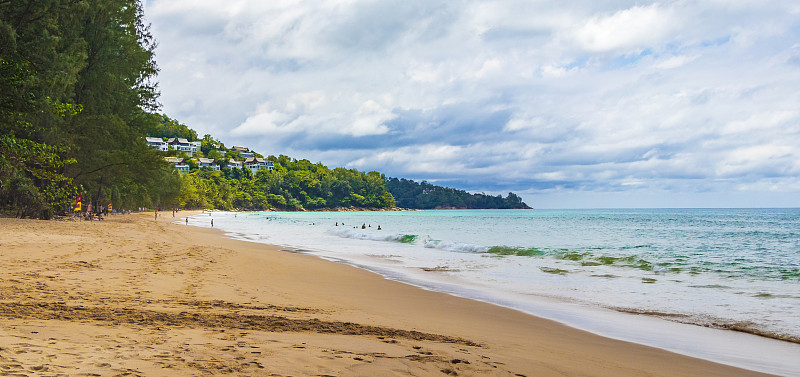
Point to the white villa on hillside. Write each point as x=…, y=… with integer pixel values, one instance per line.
x=180, y=144
x=207, y=163
x=233, y=164
x=178, y=164
x=255, y=164
x=157, y=144
x=244, y=152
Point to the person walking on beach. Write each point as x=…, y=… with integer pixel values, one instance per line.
x=212, y=223
x=187, y=221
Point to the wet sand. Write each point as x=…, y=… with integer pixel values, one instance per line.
x=133, y=296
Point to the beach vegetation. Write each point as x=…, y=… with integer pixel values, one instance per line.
x=76, y=89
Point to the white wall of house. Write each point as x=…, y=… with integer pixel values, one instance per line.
x=255, y=165
x=157, y=144
x=195, y=146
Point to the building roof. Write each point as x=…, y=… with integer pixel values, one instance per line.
x=177, y=141
x=174, y=160
x=241, y=149
x=253, y=160
x=154, y=140
x=206, y=160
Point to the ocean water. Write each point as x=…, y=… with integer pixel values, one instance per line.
x=689, y=271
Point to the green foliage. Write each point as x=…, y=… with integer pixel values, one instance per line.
x=216, y=156
x=166, y=127
x=30, y=181
x=292, y=185
x=75, y=95
x=410, y=194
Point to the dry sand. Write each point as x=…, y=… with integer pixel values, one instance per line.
x=133, y=296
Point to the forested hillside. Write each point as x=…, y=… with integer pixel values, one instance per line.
x=410, y=194
x=292, y=185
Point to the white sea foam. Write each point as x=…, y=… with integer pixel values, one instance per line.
x=356, y=234
x=733, y=266
x=454, y=246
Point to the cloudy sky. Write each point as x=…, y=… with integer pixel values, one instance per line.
x=568, y=103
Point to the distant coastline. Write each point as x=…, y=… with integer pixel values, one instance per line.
x=356, y=209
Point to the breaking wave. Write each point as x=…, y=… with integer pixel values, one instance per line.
x=645, y=257
x=354, y=234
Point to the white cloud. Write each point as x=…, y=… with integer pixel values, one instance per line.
x=320, y=113
x=428, y=158
x=674, y=62
x=516, y=95
x=424, y=72
x=635, y=27
x=760, y=160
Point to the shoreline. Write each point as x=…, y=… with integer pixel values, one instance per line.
x=713, y=342
x=655, y=330
x=129, y=294
x=754, y=349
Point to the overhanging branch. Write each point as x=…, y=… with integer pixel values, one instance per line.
x=100, y=168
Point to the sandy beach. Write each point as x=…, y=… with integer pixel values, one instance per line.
x=130, y=295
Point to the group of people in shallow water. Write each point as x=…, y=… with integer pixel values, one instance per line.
x=187, y=217
x=363, y=226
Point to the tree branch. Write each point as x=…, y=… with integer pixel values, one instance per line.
x=24, y=13
x=100, y=168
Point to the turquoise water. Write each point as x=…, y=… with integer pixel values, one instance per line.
x=723, y=268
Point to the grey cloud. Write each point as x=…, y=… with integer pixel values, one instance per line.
x=500, y=96
x=373, y=27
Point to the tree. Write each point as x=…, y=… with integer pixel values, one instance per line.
x=39, y=59
x=77, y=88
x=423, y=195
x=167, y=127
x=115, y=90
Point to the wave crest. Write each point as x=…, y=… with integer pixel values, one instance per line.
x=354, y=234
